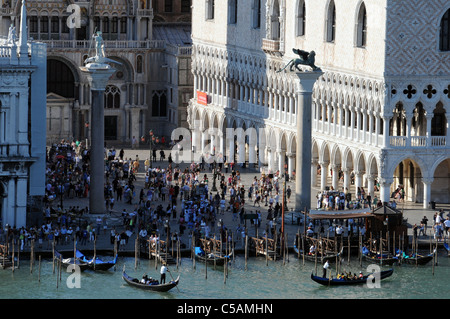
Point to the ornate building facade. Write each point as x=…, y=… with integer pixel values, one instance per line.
x=143, y=95
x=22, y=125
x=381, y=110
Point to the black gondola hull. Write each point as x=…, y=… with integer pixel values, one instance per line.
x=341, y=282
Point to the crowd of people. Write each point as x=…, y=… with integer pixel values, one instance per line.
x=170, y=195
x=332, y=199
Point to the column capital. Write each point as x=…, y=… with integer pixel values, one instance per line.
x=307, y=80
x=427, y=180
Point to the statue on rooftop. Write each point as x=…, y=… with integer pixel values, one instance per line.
x=305, y=58
x=12, y=36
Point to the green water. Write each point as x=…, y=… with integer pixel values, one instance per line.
x=274, y=280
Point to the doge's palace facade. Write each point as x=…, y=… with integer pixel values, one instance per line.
x=380, y=111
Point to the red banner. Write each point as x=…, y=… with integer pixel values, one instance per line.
x=202, y=98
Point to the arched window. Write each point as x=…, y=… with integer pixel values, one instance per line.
x=232, y=11
x=256, y=18
x=331, y=22
x=300, y=18
x=185, y=6
x=60, y=79
x=115, y=25
x=209, y=9
x=112, y=97
x=159, y=104
x=105, y=25
x=361, y=27
x=54, y=25
x=139, y=64
x=275, y=21
x=168, y=6
x=444, y=34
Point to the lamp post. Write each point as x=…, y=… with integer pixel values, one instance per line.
x=167, y=227
x=214, y=188
x=151, y=147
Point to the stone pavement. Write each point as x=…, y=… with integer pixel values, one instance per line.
x=412, y=212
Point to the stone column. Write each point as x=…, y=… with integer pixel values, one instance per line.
x=385, y=189
x=370, y=185
x=304, y=157
x=323, y=175
x=335, y=176
x=291, y=163
x=427, y=181
x=346, y=172
x=314, y=173
x=98, y=75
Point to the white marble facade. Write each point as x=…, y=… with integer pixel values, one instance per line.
x=380, y=111
x=22, y=125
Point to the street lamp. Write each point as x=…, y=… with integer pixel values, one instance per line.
x=214, y=188
x=151, y=147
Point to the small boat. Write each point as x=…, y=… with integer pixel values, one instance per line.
x=417, y=259
x=331, y=258
x=385, y=259
x=447, y=248
x=153, y=287
x=66, y=262
x=213, y=259
x=352, y=282
x=98, y=264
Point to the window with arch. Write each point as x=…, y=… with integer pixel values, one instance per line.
x=210, y=9
x=361, y=27
x=54, y=24
x=168, y=6
x=275, y=21
x=123, y=25
x=444, y=32
x=105, y=25
x=112, y=97
x=33, y=25
x=115, y=25
x=256, y=12
x=185, y=6
x=300, y=18
x=139, y=64
x=159, y=103
x=330, y=35
x=232, y=11
x=44, y=24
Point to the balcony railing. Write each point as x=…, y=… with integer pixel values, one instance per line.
x=118, y=44
x=269, y=45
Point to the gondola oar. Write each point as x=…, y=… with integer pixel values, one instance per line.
x=172, y=278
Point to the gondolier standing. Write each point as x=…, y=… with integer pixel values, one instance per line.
x=163, y=274
x=325, y=268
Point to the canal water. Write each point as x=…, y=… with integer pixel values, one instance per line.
x=261, y=280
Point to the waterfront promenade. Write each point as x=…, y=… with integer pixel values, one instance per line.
x=412, y=212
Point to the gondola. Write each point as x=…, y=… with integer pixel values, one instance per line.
x=347, y=282
x=213, y=259
x=447, y=248
x=152, y=287
x=98, y=264
x=385, y=259
x=331, y=258
x=417, y=259
x=66, y=262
